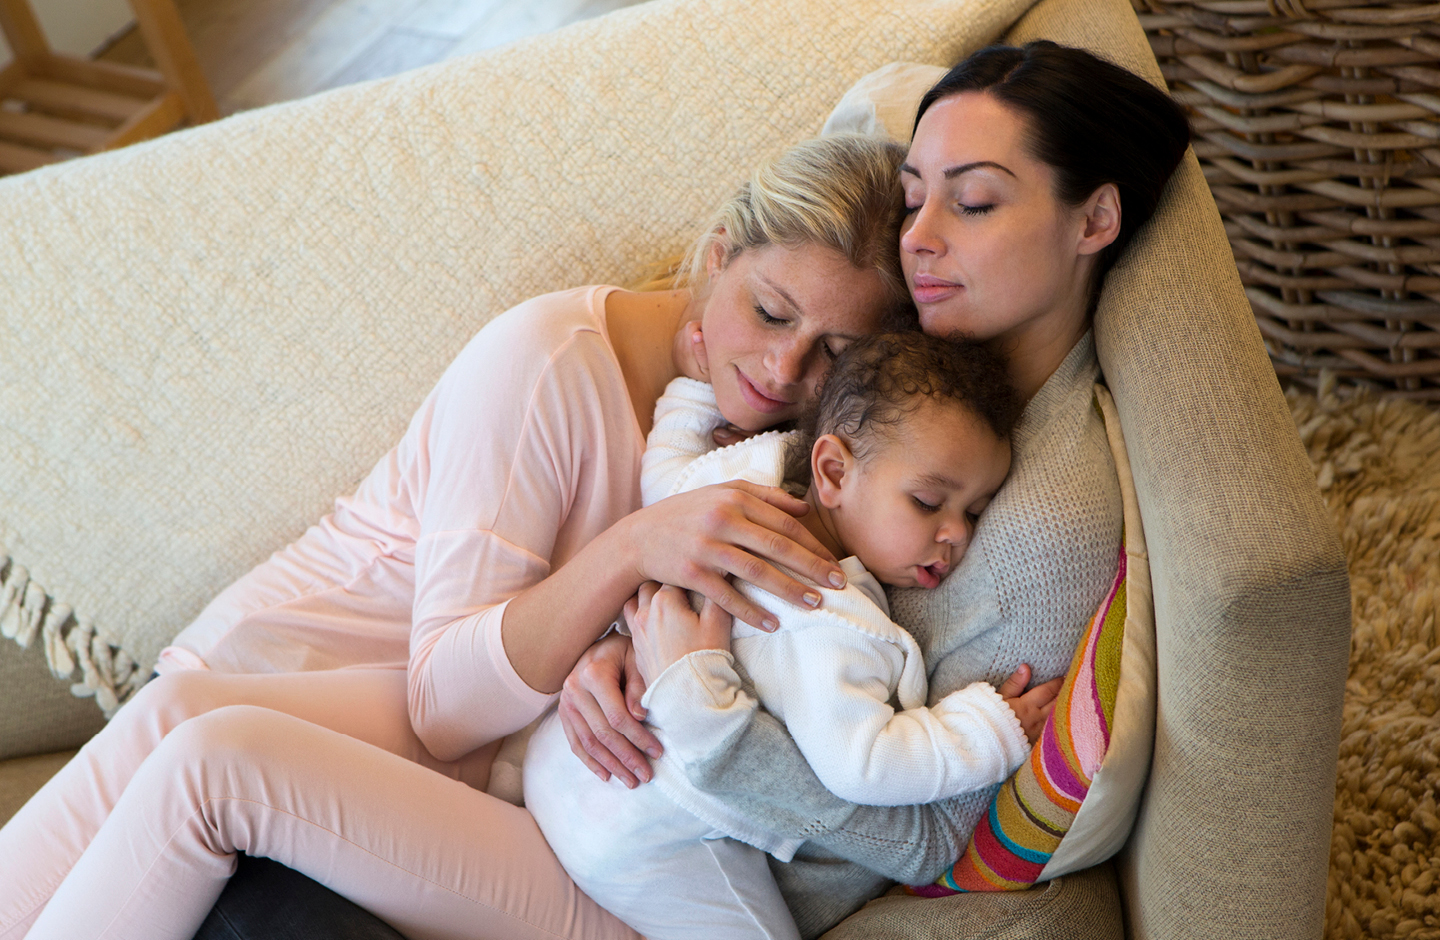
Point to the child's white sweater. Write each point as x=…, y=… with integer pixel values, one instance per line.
x=848, y=683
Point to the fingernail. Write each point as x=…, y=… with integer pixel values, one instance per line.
x=837, y=579
x=771, y=624
x=812, y=599
x=654, y=752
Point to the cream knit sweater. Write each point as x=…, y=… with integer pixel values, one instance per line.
x=1042, y=558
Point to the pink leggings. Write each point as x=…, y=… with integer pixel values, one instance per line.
x=320, y=771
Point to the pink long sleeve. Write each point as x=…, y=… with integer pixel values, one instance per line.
x=525, y=450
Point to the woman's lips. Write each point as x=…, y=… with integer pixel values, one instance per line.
x=757, y=399
x=929, y=290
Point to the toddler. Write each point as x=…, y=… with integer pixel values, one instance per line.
x=907, y=442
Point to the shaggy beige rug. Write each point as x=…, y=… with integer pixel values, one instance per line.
x=1378, y=464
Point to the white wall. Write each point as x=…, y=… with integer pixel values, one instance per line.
x=78, y=27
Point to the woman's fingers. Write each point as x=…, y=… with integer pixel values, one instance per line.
x=727, y=434
x=788, y=524
x=739, y=530
x=595, y=714
x=767, y=534
x=578, y=734
x=720, y=592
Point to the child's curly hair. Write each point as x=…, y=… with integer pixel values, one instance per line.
x=879, y=380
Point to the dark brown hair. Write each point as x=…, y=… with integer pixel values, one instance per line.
x=1089, y=120
x=881, y=379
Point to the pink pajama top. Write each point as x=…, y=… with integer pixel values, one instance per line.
x=526, y=450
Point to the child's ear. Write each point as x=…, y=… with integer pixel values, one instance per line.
x=830, y=460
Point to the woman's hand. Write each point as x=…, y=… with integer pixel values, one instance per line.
x=727, y=434
x=601, y=713
x=1033, y=708
x=697, y=540
x=665, y=629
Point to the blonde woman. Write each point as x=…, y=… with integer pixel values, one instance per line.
x=337, y=709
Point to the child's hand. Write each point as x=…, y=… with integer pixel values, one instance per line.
x=693, y=362
x=1032, y=708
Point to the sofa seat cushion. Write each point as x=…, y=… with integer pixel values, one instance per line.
x=1080, y=906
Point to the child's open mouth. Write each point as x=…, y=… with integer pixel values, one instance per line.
x=930, y=576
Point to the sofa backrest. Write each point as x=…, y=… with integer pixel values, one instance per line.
x=209, y=336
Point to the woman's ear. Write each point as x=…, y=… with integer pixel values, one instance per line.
x=1102, y=219
x=715, y=257
x=830, y=461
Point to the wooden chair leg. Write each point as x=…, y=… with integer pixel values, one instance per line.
x=167, y=41
x=23, y=34
x=70, y=105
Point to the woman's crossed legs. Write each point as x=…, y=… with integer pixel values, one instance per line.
x=432, y=856
x=150, y=813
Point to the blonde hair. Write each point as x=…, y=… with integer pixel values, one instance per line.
x=842, y=192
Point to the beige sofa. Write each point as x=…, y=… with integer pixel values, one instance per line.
x=209, y=336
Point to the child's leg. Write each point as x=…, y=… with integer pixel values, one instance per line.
x=432, y=856
x=42, y=841
x=700, y=890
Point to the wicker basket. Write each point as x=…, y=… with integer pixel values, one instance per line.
x=1316, y=124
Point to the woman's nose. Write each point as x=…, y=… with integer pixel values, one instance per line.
x=787, y=364
x=918, y=236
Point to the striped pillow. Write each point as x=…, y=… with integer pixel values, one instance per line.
x=1103, y=719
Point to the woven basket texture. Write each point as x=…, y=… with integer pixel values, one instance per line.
x=1316, y=124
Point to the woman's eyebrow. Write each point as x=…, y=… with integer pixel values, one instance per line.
x=954, y=171
x=785, y=296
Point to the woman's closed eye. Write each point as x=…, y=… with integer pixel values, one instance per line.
x=766, y=318
x=975, y=210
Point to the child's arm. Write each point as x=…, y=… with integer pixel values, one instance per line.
x=832, y=683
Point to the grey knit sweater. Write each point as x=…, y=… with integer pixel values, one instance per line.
x=1040, y=563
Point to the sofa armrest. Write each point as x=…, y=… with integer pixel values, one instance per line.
x=39, y=714
x=1251, y=592
x=1251, y=595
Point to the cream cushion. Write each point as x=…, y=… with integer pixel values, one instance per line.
x=187, y=414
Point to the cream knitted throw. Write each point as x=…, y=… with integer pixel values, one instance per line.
x=210, y=336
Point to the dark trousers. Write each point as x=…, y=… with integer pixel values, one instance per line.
x=267, y=901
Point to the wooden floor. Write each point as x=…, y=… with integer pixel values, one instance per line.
x=258, y=52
